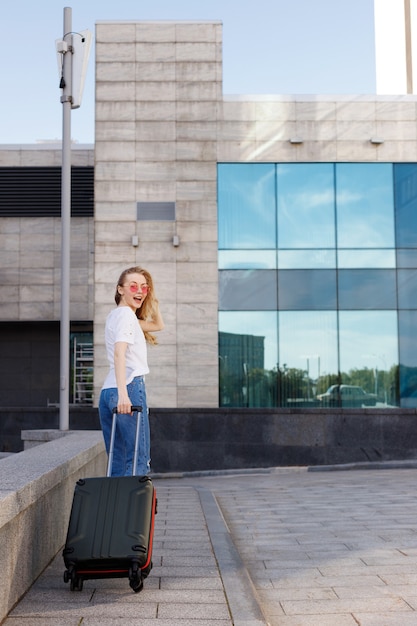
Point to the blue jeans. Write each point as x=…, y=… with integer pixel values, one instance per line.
x=124, y=445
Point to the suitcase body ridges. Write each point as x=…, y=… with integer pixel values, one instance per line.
x=110, y=531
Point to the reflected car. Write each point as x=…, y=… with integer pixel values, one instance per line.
x=346, y=396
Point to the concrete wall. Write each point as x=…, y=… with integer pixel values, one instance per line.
x=158, y=100
x=30, y=250
x=36, y=491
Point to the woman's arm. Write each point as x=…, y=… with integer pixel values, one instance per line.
x=156, y=323
x=124, y=404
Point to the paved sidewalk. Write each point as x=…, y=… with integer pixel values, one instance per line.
x=285, y=547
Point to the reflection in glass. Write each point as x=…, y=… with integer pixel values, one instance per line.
x=305, y=205
x=406, y=258
x=366, y=258
x=247, y=358
x=407, y=324
x=365, y=205
x=247, y=290
x=335, y=297
x=306, y=289
x=247, y=259
x=307, y=355
x=367, y=289
x=407, y=289
x=369, y=354
x=246, y=199
x=405, y=185
x=306, y=259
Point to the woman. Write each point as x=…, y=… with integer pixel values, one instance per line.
x=128, y=329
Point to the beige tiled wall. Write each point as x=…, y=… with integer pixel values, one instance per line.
x=30, y=251
x=157, y=103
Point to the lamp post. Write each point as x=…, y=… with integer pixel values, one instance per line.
x=73, y=50
x=66, y=98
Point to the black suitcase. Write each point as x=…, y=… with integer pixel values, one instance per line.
x=110, y=531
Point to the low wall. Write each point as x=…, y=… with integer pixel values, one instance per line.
x=210, y=439
x=194, y=439
x=36, y=491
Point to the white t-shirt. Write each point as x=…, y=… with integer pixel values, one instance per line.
x=123, y=325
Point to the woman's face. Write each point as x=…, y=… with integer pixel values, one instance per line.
x=134, y=291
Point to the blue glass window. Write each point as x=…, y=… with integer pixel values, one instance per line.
x=306, y=289
x=317, y=263
x=365, y=205
x=306, y=205
x=308, y=351
x=407, y=324
x=366, y=258
x=247, y=290
x=367, y=289
x=247, y=259
x=369, y=354
x=407, y=289
x=247, y=359
x=405, y=185
x=407, y=257
x=306, y=259
x=247, y=210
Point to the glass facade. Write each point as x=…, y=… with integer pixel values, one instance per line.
x=317, y=284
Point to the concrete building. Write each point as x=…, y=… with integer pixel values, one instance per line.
x=288, y=219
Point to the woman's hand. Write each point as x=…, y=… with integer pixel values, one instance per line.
x=124, y=404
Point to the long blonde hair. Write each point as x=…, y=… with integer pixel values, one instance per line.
x=147, y=310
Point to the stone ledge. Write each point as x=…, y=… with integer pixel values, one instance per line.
x=36, y=492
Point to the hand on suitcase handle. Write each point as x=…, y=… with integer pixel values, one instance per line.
x=134, y=409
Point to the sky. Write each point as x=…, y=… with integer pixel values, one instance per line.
x=269, y=47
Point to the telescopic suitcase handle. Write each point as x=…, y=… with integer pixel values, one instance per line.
x=138, y=411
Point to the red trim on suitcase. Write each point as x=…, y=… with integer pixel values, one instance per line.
x=150, y=544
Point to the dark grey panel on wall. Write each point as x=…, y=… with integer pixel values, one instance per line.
x=156, y=211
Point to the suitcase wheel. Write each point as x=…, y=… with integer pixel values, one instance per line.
x=135, y=578
x=76, y=582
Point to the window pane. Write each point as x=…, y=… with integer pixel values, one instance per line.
x=366, y=258
x=246, y=201
x=407, y=258
x=247, y=259
x=248, y=358
x=405, y=177
x=369, y=355
x=367, y=289
x=407, y=324
x=407, y=289
x=247, y=290
x=365, y=205
x=307, y=355
x=306, y=259
x=305, y=205
x=306, y=289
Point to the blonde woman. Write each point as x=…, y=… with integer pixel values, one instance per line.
x=129, y=328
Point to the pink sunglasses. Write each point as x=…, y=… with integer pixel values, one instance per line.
x=134, y=288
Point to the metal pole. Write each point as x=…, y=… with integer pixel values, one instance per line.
x=65, y=225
